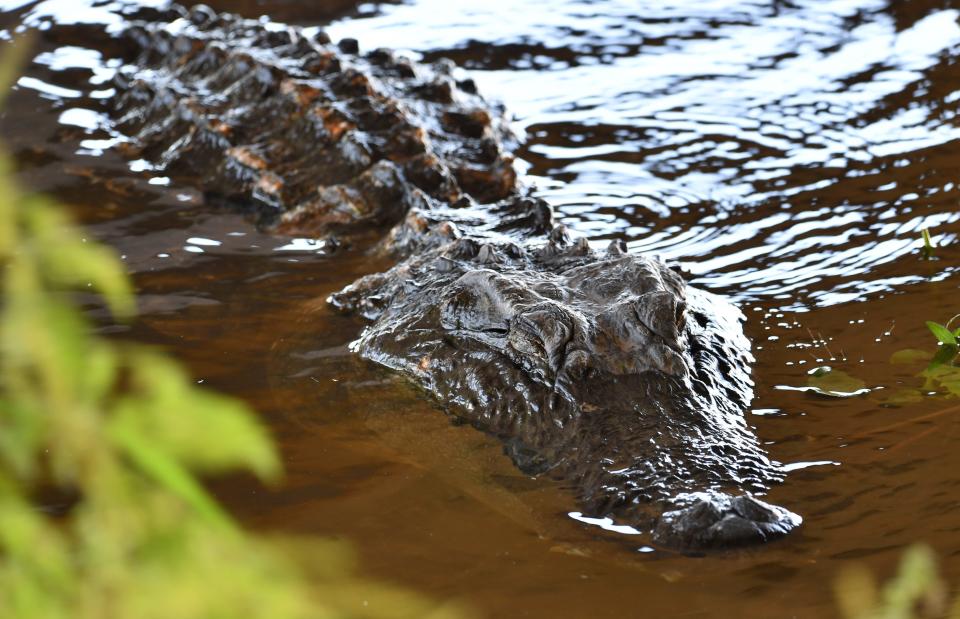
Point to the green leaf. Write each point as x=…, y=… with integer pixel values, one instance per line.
x=952, y=385
x=926, y=252
x=835, y=383
x=909, y=356
x=12, y=62
x=944, y=335
x=943, y=376
x=167, y=472
x=100, y=376
x=8, y=210
x=944, y=356
x=167, y=406
x=905, y=396
x=68, y=260
x=21, y=428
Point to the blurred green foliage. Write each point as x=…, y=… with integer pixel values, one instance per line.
x=915, y=592
x=101, y=445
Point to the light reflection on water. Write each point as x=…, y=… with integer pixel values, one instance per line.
x=751, y=144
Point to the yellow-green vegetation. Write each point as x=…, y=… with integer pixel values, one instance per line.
x=943, y=333
x=938, y=367
x=915, y=592
x=101, y=448
x=927, y=251
x=942, y=372
x=835, y=383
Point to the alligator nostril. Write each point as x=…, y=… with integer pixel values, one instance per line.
x=617, y=247
x=662, y=313
x=680, y=315
x=486, y=255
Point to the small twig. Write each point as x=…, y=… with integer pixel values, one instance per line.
x=820, y=342
x=824, y=342
x=906, y=422
x=911, y=439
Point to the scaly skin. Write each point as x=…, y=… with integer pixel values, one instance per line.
x=598, y=368
x=316, y=139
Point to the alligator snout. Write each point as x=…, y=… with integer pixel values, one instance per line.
x=717, y=520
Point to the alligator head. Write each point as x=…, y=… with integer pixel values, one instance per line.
x=602, y=369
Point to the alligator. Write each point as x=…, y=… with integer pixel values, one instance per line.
x=596, y=367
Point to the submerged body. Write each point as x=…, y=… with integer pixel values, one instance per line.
x=598, y=368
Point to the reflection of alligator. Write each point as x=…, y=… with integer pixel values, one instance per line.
x=599, y=367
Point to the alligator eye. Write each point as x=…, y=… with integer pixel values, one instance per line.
x=479, y=301
x=470, y=309
x=524, y=339
x=541, y=333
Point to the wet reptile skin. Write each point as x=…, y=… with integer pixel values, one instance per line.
x=597, y=367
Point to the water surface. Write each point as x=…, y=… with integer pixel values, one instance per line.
x=786, y=154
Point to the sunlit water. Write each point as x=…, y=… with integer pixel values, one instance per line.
x=785, y=154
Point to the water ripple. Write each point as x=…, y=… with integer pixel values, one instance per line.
x=752, y=142
x=785, y=150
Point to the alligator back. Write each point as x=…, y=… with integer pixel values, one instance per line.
x=315, y=137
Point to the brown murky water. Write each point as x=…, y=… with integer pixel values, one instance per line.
x=785, y=153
